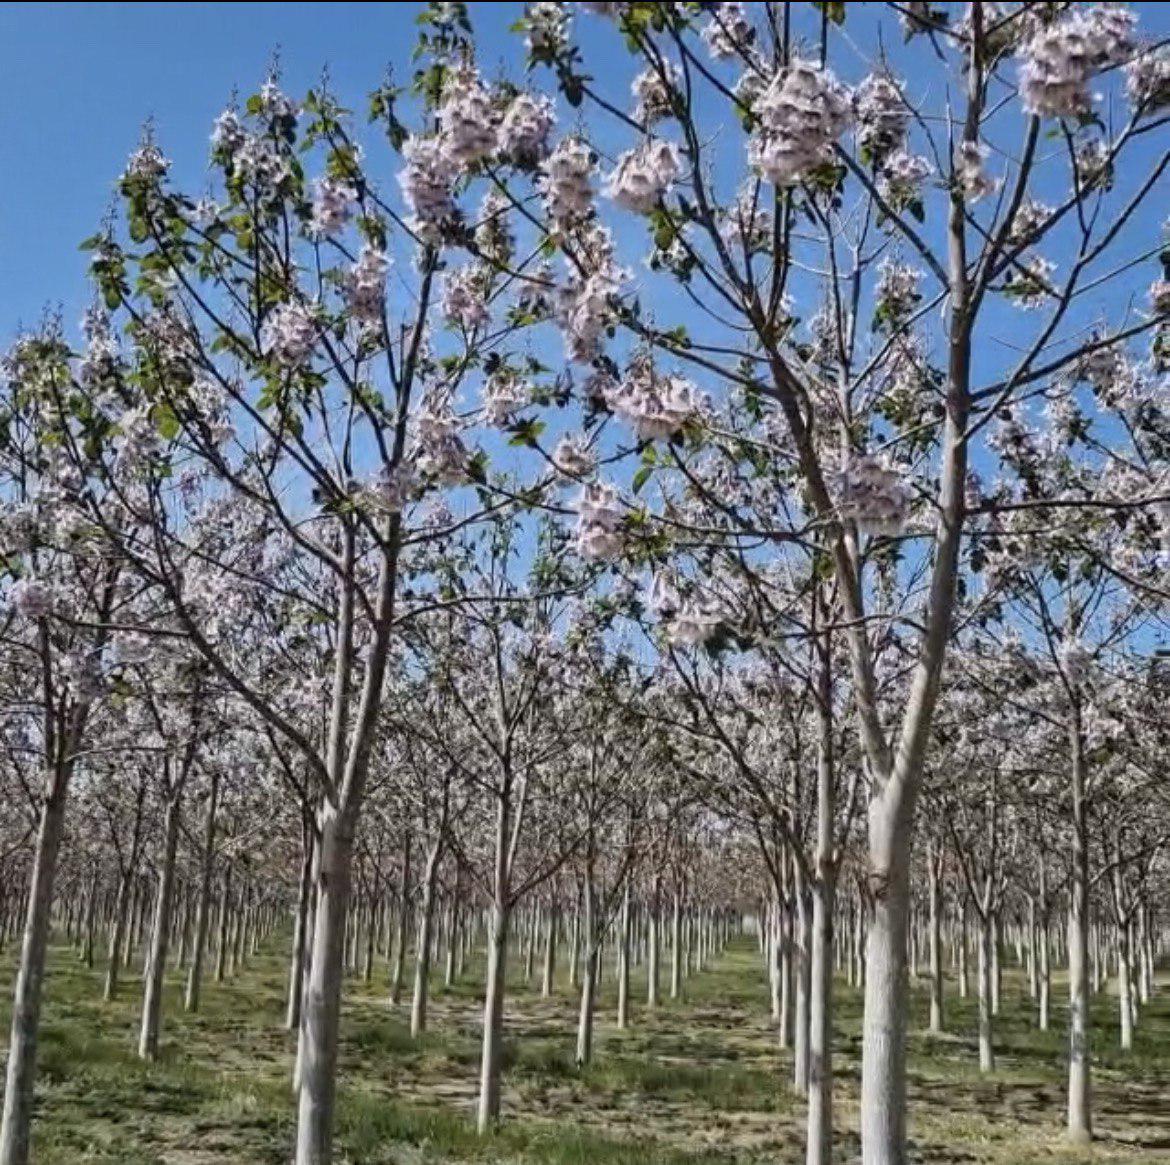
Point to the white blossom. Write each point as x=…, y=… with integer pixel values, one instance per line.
x=565, y=182
x=573, y=457
x=331, y=203
x=644, y=175
x=653, y=92
x=289, y=335
x=872, y=494
x=971, y=171
x=801, y=115
x=524, y=130
x=599, y=519
x=728, y=31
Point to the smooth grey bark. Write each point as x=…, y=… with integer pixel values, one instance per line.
x=225, y=921
x=403, y=928
x=623, y=1007
x=296, y=970
x=986, y=1009
x=934, y=868
x=204, y=905
x=653, y=947
x=1079, y=1123
x=676, y=952
x=15, y=1126
x=802, y=968
x=488, y=1110
x=422, y=957
x=550, y=951
x=321, y=1006
x=156, y=965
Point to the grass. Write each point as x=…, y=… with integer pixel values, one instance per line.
x=699, y=1082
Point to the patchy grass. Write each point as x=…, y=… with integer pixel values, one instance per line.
x=700, y=1081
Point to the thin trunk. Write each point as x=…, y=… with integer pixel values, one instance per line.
x=30, y=979
x=317, y=1084
x=156, y=964
x=623, y=1008
x=296, y=970
x=203, y=910
x=1080, y=1126
x=422, y=958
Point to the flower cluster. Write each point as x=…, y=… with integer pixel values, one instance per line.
x=464, y=298
x=1059, y=61
x=654, y=92
x=546, y=24
x=801, y=115
x=586, y=300
x=573, y=457
x=728, y=31
x=289, y=335
x=391, y=489
x=493, y=233
x=365, y=285
x=505, y=393
x=524, y=129
x=1028, y=220
x=331, y=203
x=599, y=520
x=873, y=495
x=437, y=449
x=1029, y=283
x=643, y=175
x=427, y=182
x=565, y=182
x=971, y=171
x=882, y=117
x=1147, y=79
x=896, y=293
x=746, y=224
x=656, y=406
x=467, y=120
x=900, y=178
x=32, y=599
x=147, y=164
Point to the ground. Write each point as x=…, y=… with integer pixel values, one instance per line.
x=700, y=1081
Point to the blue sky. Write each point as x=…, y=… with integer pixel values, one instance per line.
x=78, y=80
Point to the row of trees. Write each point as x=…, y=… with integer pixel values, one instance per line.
x=300, y=498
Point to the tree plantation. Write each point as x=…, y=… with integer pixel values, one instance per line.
x=605, y=600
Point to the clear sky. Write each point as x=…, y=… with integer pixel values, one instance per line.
x=78, y=80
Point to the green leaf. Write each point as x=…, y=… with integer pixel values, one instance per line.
x=641, y=477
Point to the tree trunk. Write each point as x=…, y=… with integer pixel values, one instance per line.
x=317, y=1085
x=493, y=1020
x=296, y=970
x=156, y=965
x=1080, y=1126
x=936, y=960
x=30, y=980
x=653, y=950
x=203, y=909
x=820, y=1039
x=422, y=956
x=986, y=973
x=225, y=919
x=883, y=1073
x=118, y=934
x=550, y=951
x=676, y=954
x=1125, y=985
x=802, y=967
x=623, y=1007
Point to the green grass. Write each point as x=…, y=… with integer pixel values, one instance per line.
x=699, y=1082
